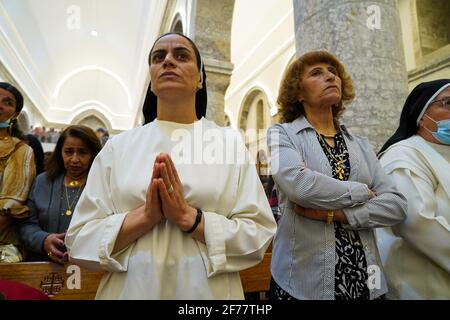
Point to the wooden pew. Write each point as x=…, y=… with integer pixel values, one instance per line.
x=257, y=278
x=59, y=282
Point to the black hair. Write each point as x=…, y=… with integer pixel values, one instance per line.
x=36, y=145
x=15, y=131
x=55, y=163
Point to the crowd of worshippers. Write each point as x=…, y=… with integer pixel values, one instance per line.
x=345, y=222
x=42, y=134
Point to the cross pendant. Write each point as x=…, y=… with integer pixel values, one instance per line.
x=340, y=172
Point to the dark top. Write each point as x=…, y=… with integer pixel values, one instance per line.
x=351, y=265
x=48, y=205
x=36, y=145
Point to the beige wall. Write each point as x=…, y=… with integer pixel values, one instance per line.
x=426, y=39
x=406, y=10
x=262, y=44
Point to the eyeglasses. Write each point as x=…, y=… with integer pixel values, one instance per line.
x=445, y=102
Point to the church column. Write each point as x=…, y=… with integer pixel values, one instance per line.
x=212, y=36
x=366, y=37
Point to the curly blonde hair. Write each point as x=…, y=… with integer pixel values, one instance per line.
x=289, y=107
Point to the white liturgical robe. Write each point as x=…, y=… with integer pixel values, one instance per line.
x=417, y=258
x=165, y=263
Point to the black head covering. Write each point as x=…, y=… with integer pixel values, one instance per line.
x=19, y=98
x=149, y=109
x=415, y=105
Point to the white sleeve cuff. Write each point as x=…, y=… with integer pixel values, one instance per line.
x=117, y=262
x=215, y=259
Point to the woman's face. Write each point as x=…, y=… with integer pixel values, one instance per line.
x=76, y=156
x=173, y=67
x=320, y=85
x=437, y=111
x=7, y=105
x=434, y=112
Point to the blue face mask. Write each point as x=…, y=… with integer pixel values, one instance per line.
x=4, y=124
x=442, y=133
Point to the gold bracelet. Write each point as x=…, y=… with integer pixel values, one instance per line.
x=330, y=217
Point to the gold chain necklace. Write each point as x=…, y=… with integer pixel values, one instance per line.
x=328, y=136
x=339, y=170
x=69, y=206
x=74, y=183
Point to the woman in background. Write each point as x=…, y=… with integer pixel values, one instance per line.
x=333, y=192
x=17, y=172
x=417, y=158
x=55, y=193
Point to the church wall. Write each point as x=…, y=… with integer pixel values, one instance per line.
x=262, y=45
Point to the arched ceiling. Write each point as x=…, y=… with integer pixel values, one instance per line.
x=72, y=55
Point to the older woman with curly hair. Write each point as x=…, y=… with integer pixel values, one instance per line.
x=333, y=192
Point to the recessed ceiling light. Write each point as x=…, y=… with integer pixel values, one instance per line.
x=94, y=33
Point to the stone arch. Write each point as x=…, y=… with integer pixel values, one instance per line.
x=92, y=119
x=177, y=24
x=255, y=98
x=92, y=122
x=253, y=121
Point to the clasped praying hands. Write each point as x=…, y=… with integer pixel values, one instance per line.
x=165, y=196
